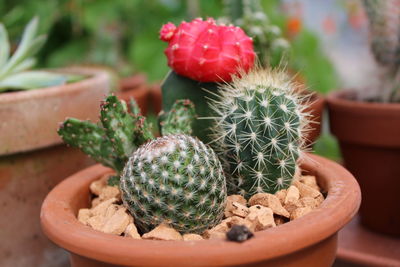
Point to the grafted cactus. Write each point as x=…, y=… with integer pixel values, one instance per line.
x=174, y=179
x=259, y=131
x=384, y=24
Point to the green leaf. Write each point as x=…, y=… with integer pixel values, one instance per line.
x=32, y=80
x=27, y=48
x=25, y=65
x=4, y=46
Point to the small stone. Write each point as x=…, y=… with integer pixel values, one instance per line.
x=84, y=215
x=117, y=223
x=306, y=191
x=309, y=180
x=97, y=186
x=96, y=222
x=299, y=212
x=163, y=232
x=292, y=195
x=270, y=201
x=279, y=220
x=101, y=208
x=192, y=237
x=239, y=233
x=96, y=201
x=261, y=218
x=229, y=204
x=320, y=199
x=281, y=195
x=290, y=207
x=131, y=231
x=111, y=210
x=109, y=192
x=309, y=202
x=239, y=210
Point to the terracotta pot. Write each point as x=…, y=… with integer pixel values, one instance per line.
x=135, y=86
x=308, y=241
x=33, y=160
x=369, y=138
x=156, y=98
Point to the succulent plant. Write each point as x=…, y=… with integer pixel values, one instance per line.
x=174, y=179
x=14, y=74
x=269, y=43
x=384, y=22
x=198, y=63
x=259, y=131
x=112, y=141
x=207, y=52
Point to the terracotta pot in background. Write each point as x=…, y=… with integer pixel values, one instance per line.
x=316, y=108
x=308, y=241
x=156, y=98
x=135, y=86
x=33, y=160
x=369, y=138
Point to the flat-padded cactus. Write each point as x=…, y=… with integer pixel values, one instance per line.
x=259, y=131
x=177, y=180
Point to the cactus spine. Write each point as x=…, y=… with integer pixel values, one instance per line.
x=259, y=130
x=174, y=179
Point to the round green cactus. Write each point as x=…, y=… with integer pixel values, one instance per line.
x=259, y=131
x=177, y=180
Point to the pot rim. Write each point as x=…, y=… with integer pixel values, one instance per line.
x=337, y=98
x=94, y=74
x=60, y=224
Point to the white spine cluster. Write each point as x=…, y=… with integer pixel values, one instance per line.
x=259, y=131
x=174, y=179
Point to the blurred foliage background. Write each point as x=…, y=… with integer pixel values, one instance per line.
x=124, y=36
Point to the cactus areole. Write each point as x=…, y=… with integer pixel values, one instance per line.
x=207, y=52
x=174, y=179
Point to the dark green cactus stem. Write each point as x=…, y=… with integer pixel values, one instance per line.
x=177, y=87
x=179, y=119
x=259, y=132
x=91, y=139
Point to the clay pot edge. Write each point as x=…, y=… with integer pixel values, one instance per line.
x=342, y=203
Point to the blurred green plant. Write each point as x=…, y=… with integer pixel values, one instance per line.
x=14, y=67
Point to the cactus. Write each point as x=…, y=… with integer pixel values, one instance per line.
x=259, y=131
x=14, y=69
x=269, y=43
x=198, y=65
x=174, y=179
x=179, y=119
x=113, y=141
x=384, y=24
x=207, y=52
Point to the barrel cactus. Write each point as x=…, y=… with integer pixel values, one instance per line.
x=259, y=131
x=174, y=179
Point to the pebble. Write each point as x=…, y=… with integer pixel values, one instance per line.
x=239, y=210
x=299, y=213
x=292, y=195
x=270, y=201
x=306, y=191
x=163, y=232
x=116, y=223
x=310, y=180
x=131, y=231
x=239, y=233
x=229, y=203
x=192, y=237
x=260, y=217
